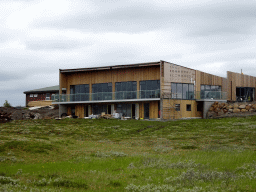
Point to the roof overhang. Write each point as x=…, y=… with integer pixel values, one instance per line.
x=110, y=67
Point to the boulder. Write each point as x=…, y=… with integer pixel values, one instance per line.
x=242, y=106
x=230, y=110
x=244, y=110
x=236, y=110
x=235, y=105
x=247, y=107
x=230, y=107
x=221, y=112
x=211, y=109
x=217, y=110
x=254, y=106
x=211, y=114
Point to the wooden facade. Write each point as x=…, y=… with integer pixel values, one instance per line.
x=110, y=76
x=235, y=80
x=167, y=73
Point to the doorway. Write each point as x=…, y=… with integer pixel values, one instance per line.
x=146, y=110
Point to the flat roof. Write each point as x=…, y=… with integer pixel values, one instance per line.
x=111, y=67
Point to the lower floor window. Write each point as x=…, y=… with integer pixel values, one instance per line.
x=188, y=107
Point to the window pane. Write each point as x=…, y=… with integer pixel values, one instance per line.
x=185, y=91
x=174, y=90
x=191, y=91
x=179, y=91
x=149, y=85
x=202, y=87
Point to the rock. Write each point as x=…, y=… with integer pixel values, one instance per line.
x=211, y=114
x=247, y=107
x=222, y=105
x=230, y=107
x=244, y=110
x=37, y=116
x=242, y=106
x=236, y=110
x=230, y=110
x=221, y=112
x=217, y=110
x=211, y=109
x=225, y=110
x=254, y=106
x=235, y=105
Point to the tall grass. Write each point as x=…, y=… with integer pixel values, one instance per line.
x=115, y=155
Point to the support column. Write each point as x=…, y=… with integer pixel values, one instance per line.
x=62, y=109
x=112, y=108
x=137, y=111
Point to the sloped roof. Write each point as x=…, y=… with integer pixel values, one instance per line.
x=45, y=89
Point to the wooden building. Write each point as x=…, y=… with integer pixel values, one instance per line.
x=141, y=91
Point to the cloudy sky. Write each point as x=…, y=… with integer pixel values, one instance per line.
x=38, y=37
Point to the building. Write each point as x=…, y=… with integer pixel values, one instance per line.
x=41, y=94
x=148, y=90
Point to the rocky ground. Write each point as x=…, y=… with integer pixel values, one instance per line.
x=219, y=110
x=12, y=113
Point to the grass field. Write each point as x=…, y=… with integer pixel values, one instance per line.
x=115, y=155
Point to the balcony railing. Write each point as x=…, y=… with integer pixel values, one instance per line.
x=213, y=95
x=121, y=95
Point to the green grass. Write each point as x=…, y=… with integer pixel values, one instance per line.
x=115, y=155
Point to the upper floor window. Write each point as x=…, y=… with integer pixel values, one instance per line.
x=211, y=92
x=79, y=92
x=102, y=91
x=182, y=91
x=210, y=88
x=126, y=90
x=150, y=89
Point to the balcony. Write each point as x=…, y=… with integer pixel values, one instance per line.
x=211, y=95
x=106, y=96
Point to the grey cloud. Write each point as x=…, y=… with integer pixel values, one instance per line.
x=204, y=19
x=53, y=44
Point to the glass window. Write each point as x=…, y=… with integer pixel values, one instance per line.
x=47, y=96
x=182, y=91
x=179, y=91
x=150, y=89
x=191, y=91
x=31, y=95
x=177, y=107
x=79, y=92
x=188, y=107
x=174, y=90
x=35, y=95
x=185, y=91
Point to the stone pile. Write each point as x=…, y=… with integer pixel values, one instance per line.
x=220, y=109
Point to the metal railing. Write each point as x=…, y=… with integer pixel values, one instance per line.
x=120, y=95
x=213, y=95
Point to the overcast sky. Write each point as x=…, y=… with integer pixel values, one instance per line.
x=39, y=37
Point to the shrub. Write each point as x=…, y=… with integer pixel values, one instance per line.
x=7, y=104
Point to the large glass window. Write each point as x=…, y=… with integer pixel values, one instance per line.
x=126, y=90
x=98, y=109
x=102, y=91
x=79, y=92
x=125, y=109
x=182, y=91
x=210, y=92
x=150, y=89
x=245, y=94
